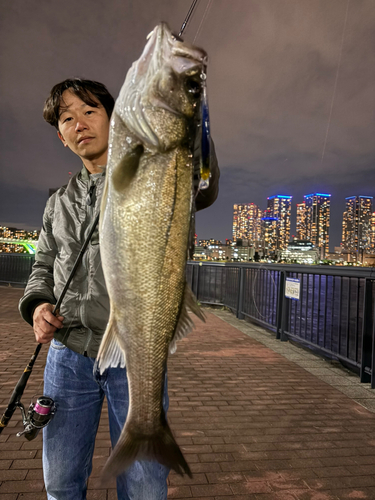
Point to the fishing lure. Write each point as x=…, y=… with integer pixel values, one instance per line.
x=205, y=144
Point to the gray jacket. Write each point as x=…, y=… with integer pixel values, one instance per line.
x=67, y=221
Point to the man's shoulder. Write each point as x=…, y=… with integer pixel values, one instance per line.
x=58, y=191
x=54, y=194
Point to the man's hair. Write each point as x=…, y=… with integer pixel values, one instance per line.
x=87, y=90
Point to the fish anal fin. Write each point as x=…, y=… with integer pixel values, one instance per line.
x=110, y=354
x=185, y=324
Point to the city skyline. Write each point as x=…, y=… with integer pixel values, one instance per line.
x=258, y=215
x=312, y=222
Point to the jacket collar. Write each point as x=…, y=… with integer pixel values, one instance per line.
x=85, y=175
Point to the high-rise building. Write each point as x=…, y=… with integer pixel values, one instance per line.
x=255, y=229
x=357, y=230
x=318, y=214
x=240, y=224
x=373, y=232
x=279, y=207
x=269, y=233
x=247, y=223
x=301, y=225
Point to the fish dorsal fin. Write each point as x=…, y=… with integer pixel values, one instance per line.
x=185, y=323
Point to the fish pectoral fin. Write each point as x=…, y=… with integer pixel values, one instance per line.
x=110, y=353
x=185, y=324
x=126, y=169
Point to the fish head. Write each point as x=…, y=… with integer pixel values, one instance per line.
x=160, y=99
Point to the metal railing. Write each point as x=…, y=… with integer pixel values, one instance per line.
x=334, y=313
x=15, y=268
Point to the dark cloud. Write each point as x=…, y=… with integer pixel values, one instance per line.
x=272, y=73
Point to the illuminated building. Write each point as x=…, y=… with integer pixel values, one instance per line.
x=357, y=229
x=206, y=243
x=20, y=234
x=301, y=252
x=318, y=212
x=254, y=221
x=373, y=232
x=279, y=207
x=269, y=233
x=199, y=253
x=239, y=221
x=246, y=223
x=301, y=225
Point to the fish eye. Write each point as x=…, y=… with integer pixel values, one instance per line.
x=193, y=86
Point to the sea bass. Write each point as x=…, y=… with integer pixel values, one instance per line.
x=144, y=233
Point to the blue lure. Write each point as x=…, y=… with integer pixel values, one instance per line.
x=205, y=145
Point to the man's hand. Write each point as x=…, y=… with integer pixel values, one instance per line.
x=45, y=323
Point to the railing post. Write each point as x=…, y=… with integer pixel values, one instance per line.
x=282, y=310
x=284, y=318
x=367, y=355
x=197, y=280
x=280, y=304
x=240, y=293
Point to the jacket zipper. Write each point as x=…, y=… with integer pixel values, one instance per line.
x=89, y=200
x=90, y=194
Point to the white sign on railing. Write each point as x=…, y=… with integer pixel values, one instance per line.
x=292, y=288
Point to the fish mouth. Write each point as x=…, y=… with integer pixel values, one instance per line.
x=159, y=103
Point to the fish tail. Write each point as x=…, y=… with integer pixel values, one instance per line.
x=133, y=446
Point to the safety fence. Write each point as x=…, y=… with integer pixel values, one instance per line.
x=15, y=268
x=330, y=309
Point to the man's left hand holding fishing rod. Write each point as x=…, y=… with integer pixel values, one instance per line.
x=45, y=323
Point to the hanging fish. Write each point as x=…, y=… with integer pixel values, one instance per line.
x=149, y=196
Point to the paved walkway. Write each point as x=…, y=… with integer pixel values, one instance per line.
x=251, y=423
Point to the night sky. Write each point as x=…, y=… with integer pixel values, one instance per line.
x=288, y=80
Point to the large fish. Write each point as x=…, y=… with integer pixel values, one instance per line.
x=144, y=232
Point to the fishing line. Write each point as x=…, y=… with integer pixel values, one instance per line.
x=35, y=396
x=202, y=20
x=253, y=290
x=336, y=80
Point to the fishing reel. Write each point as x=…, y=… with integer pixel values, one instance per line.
x=38, y=416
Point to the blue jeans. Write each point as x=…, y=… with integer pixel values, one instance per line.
x=69, y=439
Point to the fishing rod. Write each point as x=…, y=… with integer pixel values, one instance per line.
x=40, y=413
x=187, y=18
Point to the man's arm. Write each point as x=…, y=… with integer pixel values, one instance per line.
x=37, y=303
x=206, y=197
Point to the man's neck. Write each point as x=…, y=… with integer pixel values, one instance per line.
x=95, y=166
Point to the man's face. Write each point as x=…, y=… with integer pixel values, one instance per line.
x=84, y=129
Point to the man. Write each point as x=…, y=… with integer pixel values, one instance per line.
x=80, y=110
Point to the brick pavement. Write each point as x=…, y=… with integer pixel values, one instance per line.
x=251, y=423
